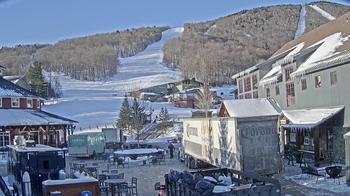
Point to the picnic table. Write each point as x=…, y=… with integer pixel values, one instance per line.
x=113, y=183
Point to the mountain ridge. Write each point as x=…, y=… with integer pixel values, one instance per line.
x=214, y=50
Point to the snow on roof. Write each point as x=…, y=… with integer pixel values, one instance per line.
x=242, y=108
x=245, y=72
x=273, y=75
x=326, y=49
x=19, y=117
x=340, y=24
x=309, y=118
x=69, y=181
x=149, y=93
x=9, y=89
x=333, y=60
x=36, y=148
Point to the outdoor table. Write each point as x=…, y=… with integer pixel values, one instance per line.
x=109, y=174
x=138, y=152
x=115, y=183
x=92, y=167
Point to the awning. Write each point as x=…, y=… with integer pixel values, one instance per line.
x=309, y=118
x=26, y=117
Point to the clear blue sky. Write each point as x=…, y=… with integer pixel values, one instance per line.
x=47, y=21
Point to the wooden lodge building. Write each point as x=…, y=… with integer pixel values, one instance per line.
x=21, y=114
x=309, y=79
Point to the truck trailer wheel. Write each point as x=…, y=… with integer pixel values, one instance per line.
x=192, y=163
x=187, y=161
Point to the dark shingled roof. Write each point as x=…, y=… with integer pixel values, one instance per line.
x=9, y=89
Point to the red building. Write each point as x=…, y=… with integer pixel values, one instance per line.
x=21, y=114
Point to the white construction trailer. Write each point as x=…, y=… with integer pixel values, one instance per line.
x=243, y=137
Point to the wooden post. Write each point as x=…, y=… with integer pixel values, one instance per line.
x=317, y=145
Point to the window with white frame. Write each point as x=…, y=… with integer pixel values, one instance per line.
x=15, y=102
x=267, y=92
x=29, y=103
x=4, y=139
x=333, y=76
x=318, y=81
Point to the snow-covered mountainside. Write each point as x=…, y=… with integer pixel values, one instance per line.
x=97, y=104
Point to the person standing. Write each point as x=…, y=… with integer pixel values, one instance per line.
x=171, y=150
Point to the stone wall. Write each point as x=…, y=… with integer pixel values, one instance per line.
x=339, y=144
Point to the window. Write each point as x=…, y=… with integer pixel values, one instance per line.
x=267, y=92
x=247, y=84
x=277, y=89
x=4, y=139
x=192, y=131
x=29, y=103
x=0, y=102
x=15, y=102
x=317, y=81
x=333, y=76
x=247, y=96
x=255, y=81
x=240, y=97
x=255, y=94
x=293, y=136
x=287, y=72
x=303, y=84
x=290, y=94
x=240, y=86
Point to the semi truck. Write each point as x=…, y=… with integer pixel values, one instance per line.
x=113, y=138
x=243, y=137
x=86, y=144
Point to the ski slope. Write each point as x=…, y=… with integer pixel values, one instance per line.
x=322, y=12
x=301, y=23
x=97, y=104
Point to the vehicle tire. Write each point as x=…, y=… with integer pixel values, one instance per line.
x=192, y=163
x=187, y=161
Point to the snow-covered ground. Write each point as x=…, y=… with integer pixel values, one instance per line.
x=97, y=104
x=322, y=12
x=326, y=183
x=301, y=23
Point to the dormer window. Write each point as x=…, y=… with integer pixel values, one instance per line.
x=29, y=103
x=15, y=102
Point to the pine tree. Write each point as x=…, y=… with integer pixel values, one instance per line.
x=124, y=115
x=36, y=80
x=164, y=120
x=137, y=117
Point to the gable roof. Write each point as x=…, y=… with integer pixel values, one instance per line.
x=243, y=108
x=309, y=118
x=9, y=89
x=15, y=117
